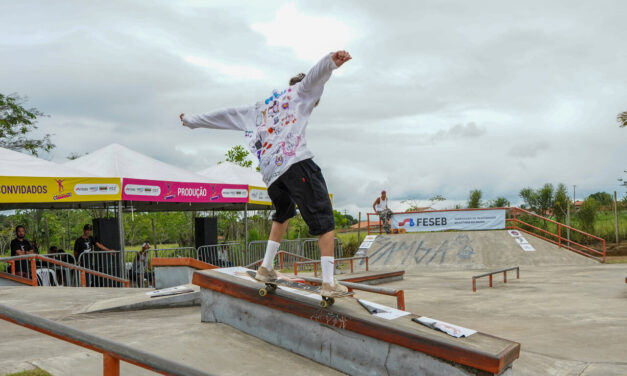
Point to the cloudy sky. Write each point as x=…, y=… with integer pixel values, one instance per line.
x=441, y=97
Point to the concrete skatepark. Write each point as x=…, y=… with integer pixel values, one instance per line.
x=566, y=311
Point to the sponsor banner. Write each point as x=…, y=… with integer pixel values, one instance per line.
x=258, y=195
x=171, y=191
x=449, y=220
x=17, y=189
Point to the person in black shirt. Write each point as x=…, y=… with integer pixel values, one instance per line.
x=19, y=247
x=86, y=243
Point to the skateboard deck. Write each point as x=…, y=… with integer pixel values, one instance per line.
x=271, y=286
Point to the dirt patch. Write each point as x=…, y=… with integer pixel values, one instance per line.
x=617, y=249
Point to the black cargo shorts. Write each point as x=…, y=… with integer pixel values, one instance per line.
x=303, y=185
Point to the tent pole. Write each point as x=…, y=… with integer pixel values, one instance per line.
x=246, y=227
x=121, y=226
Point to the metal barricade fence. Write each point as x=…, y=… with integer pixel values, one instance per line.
x=62, y=276
x=311, y=250
x=137, y=268
x=256, y=251
x=223, y=255
x=174, y=252
x=107, y=262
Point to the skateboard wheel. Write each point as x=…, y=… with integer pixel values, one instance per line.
x=324, y=304
x=331, y=301
x=263, y=292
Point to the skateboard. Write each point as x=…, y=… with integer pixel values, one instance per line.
x=271, y=287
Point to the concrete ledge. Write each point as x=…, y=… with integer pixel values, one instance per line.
x=170, y=272
x=345, y=336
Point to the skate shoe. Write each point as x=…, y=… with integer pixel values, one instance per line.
x=265, y=275
x=333, y=291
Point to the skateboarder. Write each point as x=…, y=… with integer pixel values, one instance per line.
x=380, y=206
x=275, y=128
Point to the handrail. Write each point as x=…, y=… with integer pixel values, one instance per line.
x=280, y=254
x=399, y=294
x=555, y=222
x=489, y=274
x=316, y=262
x=111, y=351
x=83, y=271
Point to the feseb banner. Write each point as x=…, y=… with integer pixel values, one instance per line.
x=17, y=189
x=449, y=220
x=171, y=191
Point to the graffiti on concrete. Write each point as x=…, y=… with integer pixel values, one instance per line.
x=416, y=252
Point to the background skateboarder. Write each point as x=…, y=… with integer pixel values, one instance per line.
x=275, y=127
x=380, y=205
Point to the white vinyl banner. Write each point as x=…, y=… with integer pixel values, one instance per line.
x=450, y=220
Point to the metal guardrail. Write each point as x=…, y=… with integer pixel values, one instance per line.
x=111, y=351
x=223, y=255
x=106, y=262
x=315, y=263
x=399, y=294
x=38, y=270
x=489, y=274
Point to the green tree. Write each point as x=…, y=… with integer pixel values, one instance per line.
x=530, y=198
x=499, y=202
x=587, y=214
x=560, y=203
x=474, y=200
x=238, y=154
x=17, y=124
x=603, y=198
x=622, y=119
x=340, y=220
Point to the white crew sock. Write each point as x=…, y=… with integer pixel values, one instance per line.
x=271, y=250
x=328, y=267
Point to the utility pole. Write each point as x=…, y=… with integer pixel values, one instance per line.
x=616, y=217
x=574, y=196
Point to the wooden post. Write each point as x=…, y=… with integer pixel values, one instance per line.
x=359, y=229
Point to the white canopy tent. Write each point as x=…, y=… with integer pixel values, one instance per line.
x=13, y=163
x=231, y=173
x=120, y=161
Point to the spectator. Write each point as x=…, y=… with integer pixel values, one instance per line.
x=140, y=272
x=380, y=206
x=223, y=259
x=86, y=243
x=20, y=247
x=53, y=249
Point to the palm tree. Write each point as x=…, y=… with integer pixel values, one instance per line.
x=622, y=119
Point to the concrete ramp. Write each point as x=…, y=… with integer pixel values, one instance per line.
x=346, y=336
x=466, y=250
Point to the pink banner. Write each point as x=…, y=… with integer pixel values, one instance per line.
x=171, y=191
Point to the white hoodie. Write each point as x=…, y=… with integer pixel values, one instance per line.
x=276, y=125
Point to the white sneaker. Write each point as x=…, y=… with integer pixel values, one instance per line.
x=265, y=275
x=330, y=291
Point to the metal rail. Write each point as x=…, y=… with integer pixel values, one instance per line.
x=111, y=351
x=399, y=294
x=316, y=262
x=489, y=274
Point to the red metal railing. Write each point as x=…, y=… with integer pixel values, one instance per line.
x=335, y=261
x=112, y=352
x=515, y=222
x=490, y=274
x=558, y=239
x=32, y=270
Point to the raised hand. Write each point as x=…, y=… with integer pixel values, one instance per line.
x=341, y=57
x=181, y=117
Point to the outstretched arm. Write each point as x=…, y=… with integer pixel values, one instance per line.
x=313, y=83
x=235, y=118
